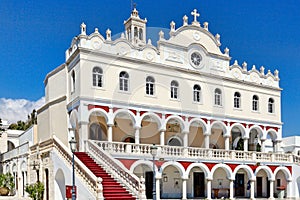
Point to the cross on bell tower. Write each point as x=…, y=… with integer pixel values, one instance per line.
x=195, y=14
x=135, y=28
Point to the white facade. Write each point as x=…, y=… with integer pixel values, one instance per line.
x=217, y=125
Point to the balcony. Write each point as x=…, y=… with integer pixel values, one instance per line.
x=138, y=151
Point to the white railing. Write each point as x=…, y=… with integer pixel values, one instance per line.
x=129, y=180
x=143, y=150
x=16, y=152
x=82, y=171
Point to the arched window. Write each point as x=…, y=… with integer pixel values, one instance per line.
x=97, y=77
x=255, y=103
x=135, y=32
x=271, y=105
x=174, y=90
x=197, y=93
x=218, y=97
x=124, y=81
x=175, y=141
x=237, y=100
x=141, y=34
x=150, y=85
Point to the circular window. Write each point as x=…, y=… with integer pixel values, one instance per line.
x=196, y=58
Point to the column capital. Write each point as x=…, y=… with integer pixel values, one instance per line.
x=207, y=133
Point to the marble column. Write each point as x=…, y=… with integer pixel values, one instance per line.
x=226, y=142
x=109, y=132
x=246, y=140
x=157, y=185
x=208, y=189
x=206, y=140
x=137, y=135
x=288, y=188
x=162, y=138
x=271, y=189
x=184, y=190
x=252, y=189
x=231, y=184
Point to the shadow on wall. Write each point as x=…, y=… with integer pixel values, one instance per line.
x=60, y=185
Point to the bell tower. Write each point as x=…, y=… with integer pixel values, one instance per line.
x=135, y=28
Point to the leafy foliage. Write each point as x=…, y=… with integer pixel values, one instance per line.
x=36, y=190
x=20, y=125
x=7, y=180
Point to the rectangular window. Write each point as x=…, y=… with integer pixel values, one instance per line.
x=174, y=93
x=196, y=96
x=236, y=102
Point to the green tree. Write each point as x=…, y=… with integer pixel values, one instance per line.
x=21, y=125
x=36, y=190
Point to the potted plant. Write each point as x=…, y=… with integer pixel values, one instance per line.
x=6, y=184
x=36, y=190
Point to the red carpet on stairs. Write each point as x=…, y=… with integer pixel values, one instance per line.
x=111, y=188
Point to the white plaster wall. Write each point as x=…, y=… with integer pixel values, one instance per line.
x=163, y=76
x=295, y=190
x=28, y=135
x=57, y=85
x=60, y=164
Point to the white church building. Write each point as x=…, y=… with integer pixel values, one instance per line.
x=216, y=124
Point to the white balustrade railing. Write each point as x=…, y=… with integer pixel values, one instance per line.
x=142, y=150
x=17, y=152
x=97, y=150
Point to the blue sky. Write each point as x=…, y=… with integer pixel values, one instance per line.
x=35, y=35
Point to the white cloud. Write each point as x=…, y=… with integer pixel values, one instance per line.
x=14, y=110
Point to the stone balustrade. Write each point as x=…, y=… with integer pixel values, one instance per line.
x=120, y=149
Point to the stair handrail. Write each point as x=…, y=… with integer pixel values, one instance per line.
x=86, y=175
x=130, y=180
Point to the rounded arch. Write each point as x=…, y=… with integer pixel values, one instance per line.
x=177, y=165
x=202, y=166
x=143, y=162
x=240, y=127
x=60, y=191
x=273, y=134
x=199, y=121
x=285, y=171
x=267, y=170
x=153, y=116
x=258, y=129
x=23, y=166
x=129, y=112
x=226, y=168
x=98, y=112
x=219, y=124
x=247, y=169
x=14, y=168
x=177, y=118
x=175, y=141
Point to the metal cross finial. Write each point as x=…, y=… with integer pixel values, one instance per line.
x=195, y=14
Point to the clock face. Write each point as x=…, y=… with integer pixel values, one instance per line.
x=196, y=59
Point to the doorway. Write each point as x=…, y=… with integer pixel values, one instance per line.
x=239, y=185
x=199, y=184
x=259, y=187
x=149, y=185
